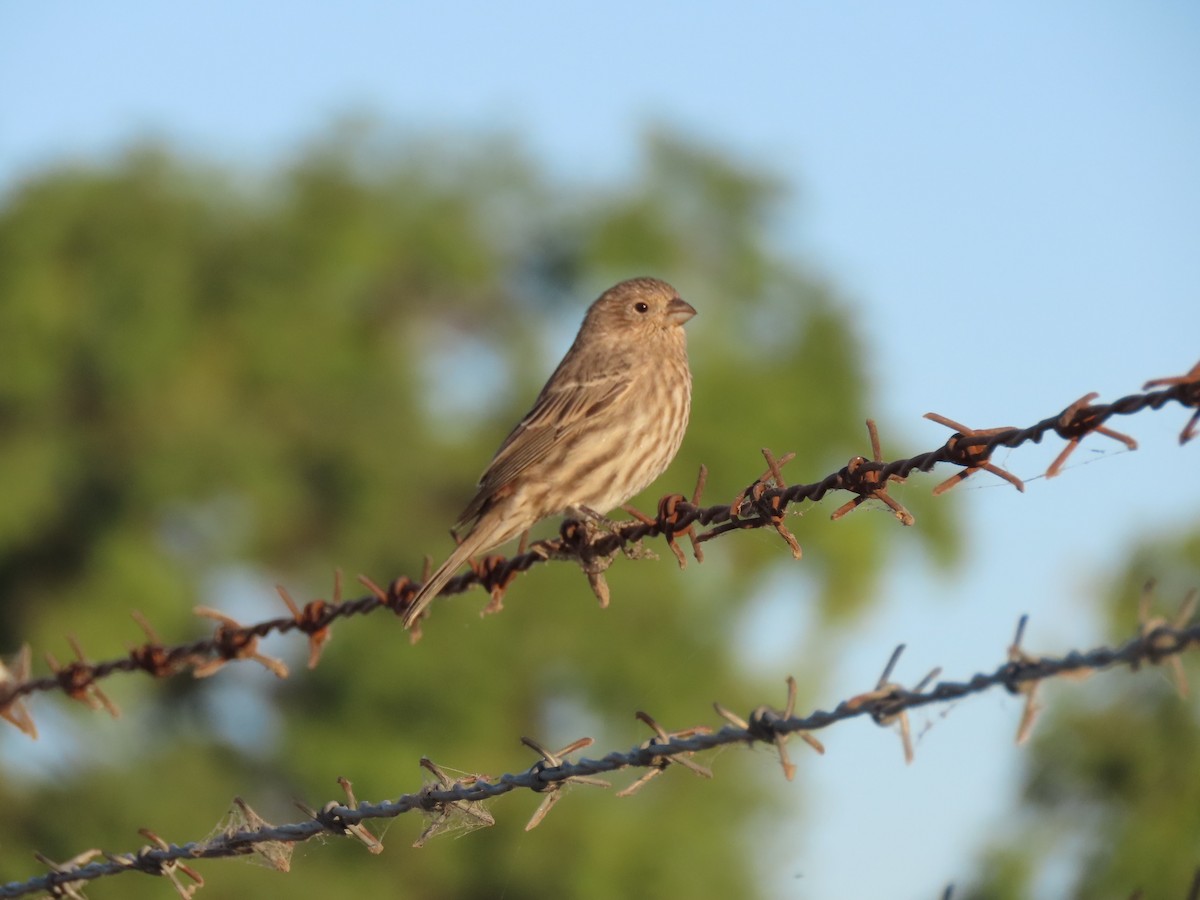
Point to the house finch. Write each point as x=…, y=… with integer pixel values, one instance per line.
x=606, y=424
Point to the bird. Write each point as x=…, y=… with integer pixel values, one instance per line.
x=606, y=424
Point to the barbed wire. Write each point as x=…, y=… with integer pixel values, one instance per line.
x=764, y=503
x=454, y=804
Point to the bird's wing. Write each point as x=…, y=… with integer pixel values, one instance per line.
x=561, y=408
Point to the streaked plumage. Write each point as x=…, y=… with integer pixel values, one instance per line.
x=607, y=423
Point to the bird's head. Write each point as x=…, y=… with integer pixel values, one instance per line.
x=645, y=308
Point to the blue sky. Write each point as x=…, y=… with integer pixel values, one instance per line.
x=1007, y=195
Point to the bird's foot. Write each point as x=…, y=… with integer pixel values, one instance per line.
x=594, y=523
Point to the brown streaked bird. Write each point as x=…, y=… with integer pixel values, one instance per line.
x=607, y=423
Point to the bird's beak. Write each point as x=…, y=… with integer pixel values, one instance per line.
x=679, y=310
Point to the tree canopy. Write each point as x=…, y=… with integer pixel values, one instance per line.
x=215, y=380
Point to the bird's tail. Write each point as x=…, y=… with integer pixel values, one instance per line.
x=473, y=543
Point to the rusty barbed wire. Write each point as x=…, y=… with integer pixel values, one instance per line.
x=456, y=803
x=764, y=503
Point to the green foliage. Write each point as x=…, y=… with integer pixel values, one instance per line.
x=1112, y=782
x=210, y=384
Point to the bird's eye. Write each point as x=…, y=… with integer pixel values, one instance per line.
x=641, y=306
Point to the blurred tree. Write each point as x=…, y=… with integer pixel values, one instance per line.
x=211, y=383
x=1111, y=792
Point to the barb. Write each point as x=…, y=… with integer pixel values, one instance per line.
x=246, y=832
x=764, y=503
